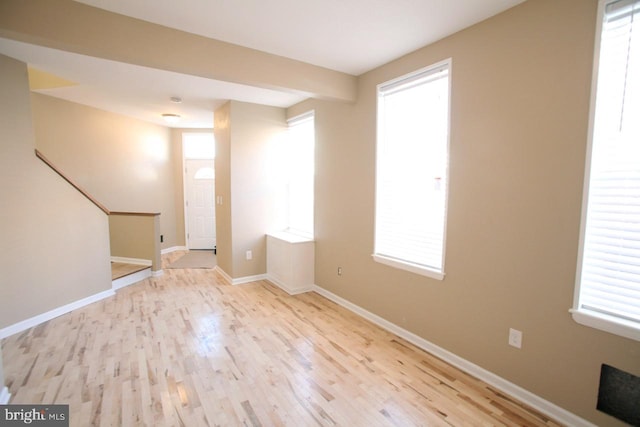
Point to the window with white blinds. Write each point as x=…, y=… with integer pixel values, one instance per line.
x=300, y=165
x=608, y=276
x=412, y=171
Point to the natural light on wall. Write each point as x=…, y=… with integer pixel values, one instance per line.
x=300, y=165
x=608, y=276
x=412, y=171
x=155, y=147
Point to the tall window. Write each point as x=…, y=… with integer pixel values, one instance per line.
x=608, y=277
x=412, y=171
x=300, y=163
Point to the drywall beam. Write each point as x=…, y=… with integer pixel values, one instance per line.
x=75, y=27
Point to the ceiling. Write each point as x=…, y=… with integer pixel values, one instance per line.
x=350, y=36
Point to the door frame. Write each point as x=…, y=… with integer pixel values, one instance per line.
x=184, y=185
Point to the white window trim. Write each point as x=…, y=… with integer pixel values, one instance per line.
x=606, y=323
x=413, y=268
x=593, y=319
x=311, y=114
x=437, y=274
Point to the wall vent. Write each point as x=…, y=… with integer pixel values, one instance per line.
x=619, y=395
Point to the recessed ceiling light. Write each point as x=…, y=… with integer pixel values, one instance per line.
x=176, y=99
x=171, y=118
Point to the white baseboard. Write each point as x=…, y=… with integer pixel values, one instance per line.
x=525, y=396
x=41, y=318
x=173, y=249
x=4, y=396
x=248, y=279
x=224, y=274
x=135, y=261
x=288, y=289
x=157, y=273
x=239, y=280
x=131, y=279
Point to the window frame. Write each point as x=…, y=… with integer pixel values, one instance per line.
x=308, y=234
x=592, y=318
x=403, y=264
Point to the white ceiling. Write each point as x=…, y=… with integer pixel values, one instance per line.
x=352, y=36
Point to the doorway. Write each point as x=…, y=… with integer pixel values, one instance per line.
x=199, y=190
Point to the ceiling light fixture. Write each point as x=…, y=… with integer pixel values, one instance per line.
x=171, y=118
x=176, y=99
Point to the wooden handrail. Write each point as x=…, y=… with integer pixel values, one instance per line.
x=135, y=213
x=84, y=192
x=73, y=184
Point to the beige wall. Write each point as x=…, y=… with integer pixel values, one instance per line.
x=521, y=83
x=178, y=185
x=126, y=164
x=136, y=236
x=55, y=243
x=224, y=235
x=245, y=137
x=255, y=129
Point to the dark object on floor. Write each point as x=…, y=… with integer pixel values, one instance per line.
x=619, y=395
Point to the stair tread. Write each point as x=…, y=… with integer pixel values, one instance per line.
x=121, y=269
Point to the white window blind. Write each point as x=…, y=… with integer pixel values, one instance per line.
x=608, y=288
x=411, y=171
x=301, y=167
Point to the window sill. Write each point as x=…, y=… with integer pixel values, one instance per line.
x=407, y=266
x=606, y=323
x=289, y=237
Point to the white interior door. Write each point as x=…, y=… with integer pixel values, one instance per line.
x=199, y=204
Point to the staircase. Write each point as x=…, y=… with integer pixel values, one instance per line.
x=124, y=274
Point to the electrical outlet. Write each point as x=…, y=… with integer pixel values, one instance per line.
x=515, y=338
x=249, y=255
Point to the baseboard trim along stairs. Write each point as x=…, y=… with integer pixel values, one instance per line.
x=135, y=261
x=173, y=249
x=132, y=278
x=52, y=314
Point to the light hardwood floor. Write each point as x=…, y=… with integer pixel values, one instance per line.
x=188, y=349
